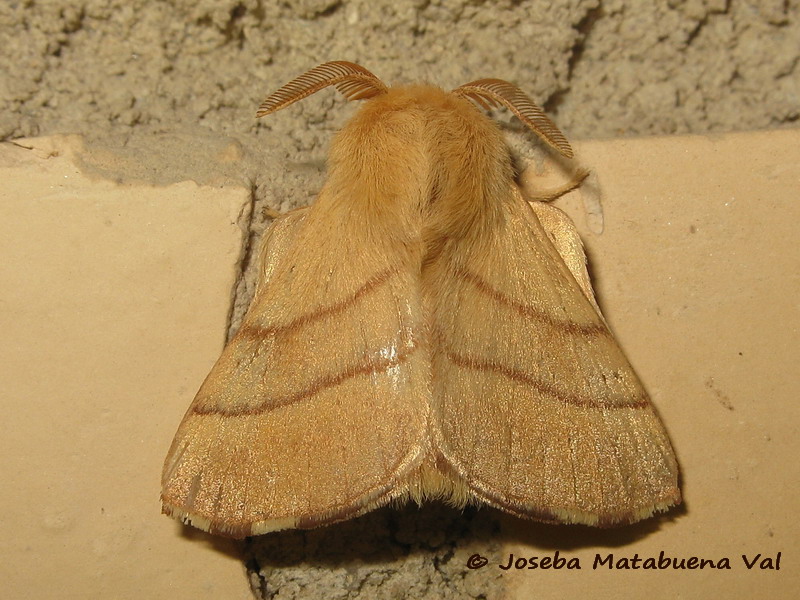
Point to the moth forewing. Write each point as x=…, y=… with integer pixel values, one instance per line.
x=318, y=406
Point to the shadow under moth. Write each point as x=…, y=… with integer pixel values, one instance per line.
x=420, y=332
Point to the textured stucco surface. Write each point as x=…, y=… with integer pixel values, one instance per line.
x=601, y=67
x=162, y=90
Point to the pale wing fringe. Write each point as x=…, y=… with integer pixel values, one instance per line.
x=352, y=80
x=496, y=92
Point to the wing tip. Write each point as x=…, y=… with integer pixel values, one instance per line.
x=602, y=519
x=619, y=518
x=227, y=528
x=239, y=529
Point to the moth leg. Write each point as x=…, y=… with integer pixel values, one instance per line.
x=575, y=181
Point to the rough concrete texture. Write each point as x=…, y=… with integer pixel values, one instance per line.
x=139, y=79
x=410, y=552
x=602, y=67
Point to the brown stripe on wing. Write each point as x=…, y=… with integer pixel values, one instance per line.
x=373, y=283
x=370, y=366
x=470, y=362
x=526, y=310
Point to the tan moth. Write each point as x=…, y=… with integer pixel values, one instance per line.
x=421, y=331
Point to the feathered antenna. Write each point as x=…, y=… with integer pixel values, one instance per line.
x=495, y=92
x=352, y=80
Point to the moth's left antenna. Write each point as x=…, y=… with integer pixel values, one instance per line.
x=352, y=80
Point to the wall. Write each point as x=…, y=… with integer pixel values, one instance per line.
x=165, y=92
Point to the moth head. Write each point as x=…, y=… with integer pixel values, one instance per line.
x=357, y=83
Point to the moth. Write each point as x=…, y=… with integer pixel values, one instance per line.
x=420, y=332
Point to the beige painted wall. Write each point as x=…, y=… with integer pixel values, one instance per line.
x=115, y=301
x=114, y=305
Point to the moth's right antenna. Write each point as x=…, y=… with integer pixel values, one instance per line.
x=495, y=92
x=352, y=80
